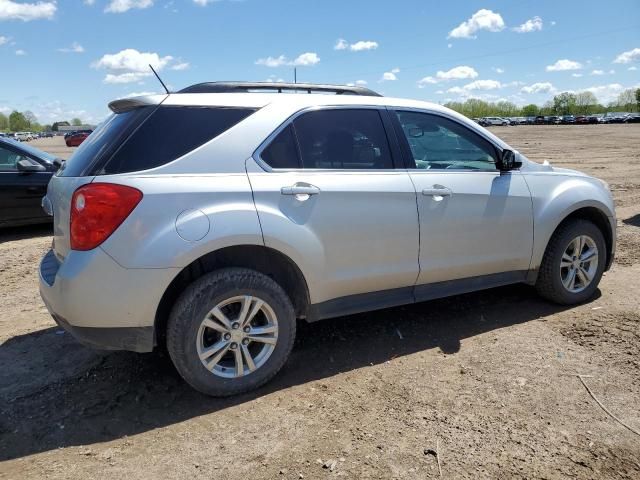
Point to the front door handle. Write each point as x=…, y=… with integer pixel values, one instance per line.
x=437, y=191
x=300, y=189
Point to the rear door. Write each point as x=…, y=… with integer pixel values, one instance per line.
x=329, y=197
x=475, y=221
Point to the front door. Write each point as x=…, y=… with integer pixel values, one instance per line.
x=474, y=220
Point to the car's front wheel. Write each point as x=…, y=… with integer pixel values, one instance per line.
x=231, y=331
x=573, y=263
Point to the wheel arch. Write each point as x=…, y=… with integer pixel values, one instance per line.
x=599, y=218
x=263, y=259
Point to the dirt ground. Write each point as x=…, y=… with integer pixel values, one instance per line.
x=487, y=379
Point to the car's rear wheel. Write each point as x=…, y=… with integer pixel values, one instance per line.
x=573, y=263
x=231, y=331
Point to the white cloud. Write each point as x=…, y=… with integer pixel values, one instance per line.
x=130, y=65
x=632, y=69
x=540, y=87
x=341, y=44
x=530, y=25
x=498, y=70
x=302, y=60
x=121, y=6
x=597, y=72
x=89, y=2
x=131, y=60
x=306, y=59
x=628, y=57
x=605, y=93
x=20, y=52
x=363, y=45
x=481, y=20
x=390, y=75
x=361, y=83
x=483, y=85
x=10, y=10
x=272, y=61
x=130, y=77
x=457, y=73
x=3, y=40
x=563, y=65
x=576, y=75
x=553, y=23
x=180, y=66
x=74, y=48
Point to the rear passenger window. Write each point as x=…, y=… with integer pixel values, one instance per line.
x=343, y=139
x=171, y=132
x=282, y=152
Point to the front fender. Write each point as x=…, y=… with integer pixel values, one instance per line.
x=555, y=197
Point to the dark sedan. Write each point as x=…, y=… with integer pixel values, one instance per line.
x=25, y=172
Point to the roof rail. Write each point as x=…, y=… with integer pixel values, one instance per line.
x=245, y=87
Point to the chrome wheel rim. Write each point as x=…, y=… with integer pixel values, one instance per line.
x=579, y=264
x=237, y=336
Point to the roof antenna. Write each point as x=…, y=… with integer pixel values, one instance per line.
x=159, y=79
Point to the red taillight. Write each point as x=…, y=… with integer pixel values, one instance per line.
x=97, y=209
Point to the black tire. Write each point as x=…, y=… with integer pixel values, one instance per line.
x=193, y=305
x=549, y=284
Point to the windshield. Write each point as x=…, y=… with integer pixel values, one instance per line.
x=47, y=157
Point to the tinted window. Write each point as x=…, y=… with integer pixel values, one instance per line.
x=171, y=132
x=101, y=144
x=9, y=160
x=282, y=152
x=439, y=143
x=343, y=139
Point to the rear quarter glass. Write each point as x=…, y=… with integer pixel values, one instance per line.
x=105, y=140
x=169, y=133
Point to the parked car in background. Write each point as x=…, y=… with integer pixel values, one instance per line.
x=615, y=117
x=46, y=135
x=632, y=118
x=553, y=120
x=219, y=266
x=25, y=172
x=22, y=136
x=540, y=120
x=567, y=120
x=76, y=139
x=490, y=121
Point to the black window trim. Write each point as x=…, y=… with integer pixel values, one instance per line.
x=396, y=156
x=16, y=150
x=406, y=150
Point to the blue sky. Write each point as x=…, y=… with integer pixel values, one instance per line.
x=69, y=58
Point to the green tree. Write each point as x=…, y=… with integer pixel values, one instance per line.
x=18, y=122
x=638, y=99
x=627, y=100
x=76, y=122
x=4, y=122
x=530, y=110
x=564, y=103
x=30, y=117
x=586, y=103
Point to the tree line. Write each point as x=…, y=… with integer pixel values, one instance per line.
x=566, y=103
x=27, y=121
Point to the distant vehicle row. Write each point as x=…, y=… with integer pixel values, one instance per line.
x=614, y=117
x=26, y=136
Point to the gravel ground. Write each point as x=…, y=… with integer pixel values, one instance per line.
x=488, y=380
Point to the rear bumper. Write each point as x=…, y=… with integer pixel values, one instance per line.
x=102, y=304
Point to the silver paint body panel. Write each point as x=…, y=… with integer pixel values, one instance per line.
x=365, y=231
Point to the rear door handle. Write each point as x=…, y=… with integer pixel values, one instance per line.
x=437, y=192
x=300, y=189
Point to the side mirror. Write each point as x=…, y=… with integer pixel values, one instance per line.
x=508, y=161
x=27, y=166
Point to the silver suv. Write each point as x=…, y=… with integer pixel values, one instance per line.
x=209, y=220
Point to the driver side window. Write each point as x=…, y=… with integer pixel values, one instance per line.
x=439, y=143
x=9, y=160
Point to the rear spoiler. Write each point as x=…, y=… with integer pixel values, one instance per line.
x=126, y=104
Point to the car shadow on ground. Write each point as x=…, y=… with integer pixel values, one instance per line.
x=57, y=393
x=635, y=220
x=9, y=234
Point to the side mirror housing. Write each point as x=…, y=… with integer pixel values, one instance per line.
x=508, y=161
x=27, y=166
